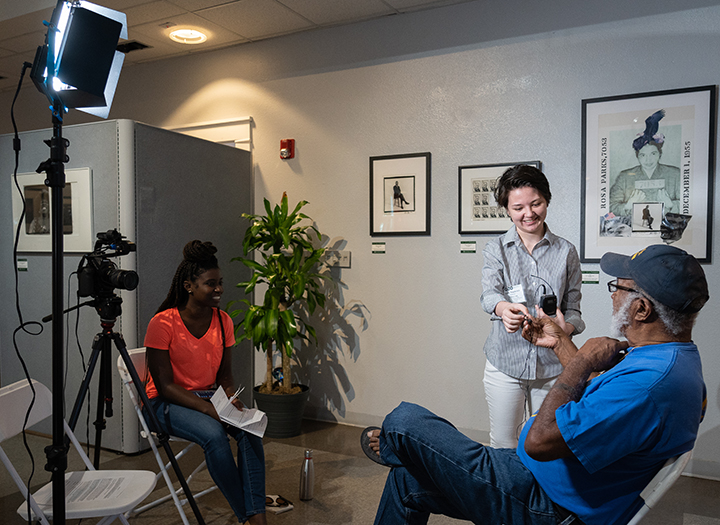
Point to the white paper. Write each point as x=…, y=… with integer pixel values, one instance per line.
x=249, y=419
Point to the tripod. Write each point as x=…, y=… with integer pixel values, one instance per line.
x=109, y=307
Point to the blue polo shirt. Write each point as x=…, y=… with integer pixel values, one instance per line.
x=628, y=422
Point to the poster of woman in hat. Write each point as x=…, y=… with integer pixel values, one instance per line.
x=647, y=160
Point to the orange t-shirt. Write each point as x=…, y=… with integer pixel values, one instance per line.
x=195, y=362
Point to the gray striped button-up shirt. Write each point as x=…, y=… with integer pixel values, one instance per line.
x=553, y=267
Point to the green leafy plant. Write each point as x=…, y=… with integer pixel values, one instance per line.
x=289, y=270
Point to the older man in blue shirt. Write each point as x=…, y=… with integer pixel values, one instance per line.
x=617, y=412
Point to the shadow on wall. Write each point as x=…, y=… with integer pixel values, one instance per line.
x=321, y=366
x=706, y=447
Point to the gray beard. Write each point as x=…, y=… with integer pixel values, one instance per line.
x=620, y=319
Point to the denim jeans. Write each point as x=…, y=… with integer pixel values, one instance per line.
x=243, y=485
x=435, y=469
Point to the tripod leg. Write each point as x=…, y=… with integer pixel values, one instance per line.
x=104, y=396
x=96, y=351
x=99, y=422
x=155, y=424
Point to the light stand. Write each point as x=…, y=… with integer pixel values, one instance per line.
x=48, y=60
x=57, y=452
x=78, y=67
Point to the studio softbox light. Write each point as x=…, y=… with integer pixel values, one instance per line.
x=79, y=65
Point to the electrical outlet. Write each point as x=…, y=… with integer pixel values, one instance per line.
x=344, y=261
x=339, y=258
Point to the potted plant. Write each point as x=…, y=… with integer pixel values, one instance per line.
x=289, y=271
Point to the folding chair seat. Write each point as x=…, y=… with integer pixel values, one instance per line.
x=106, y=494
x=660, y=484
x=137, y=357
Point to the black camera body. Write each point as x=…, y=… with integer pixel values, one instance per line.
x=548, y=303
x=98, y=276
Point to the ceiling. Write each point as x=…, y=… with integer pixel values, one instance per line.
x=227, y=23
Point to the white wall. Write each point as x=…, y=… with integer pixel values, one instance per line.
x=429, y=82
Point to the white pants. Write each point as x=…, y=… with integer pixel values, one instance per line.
x=511, y=401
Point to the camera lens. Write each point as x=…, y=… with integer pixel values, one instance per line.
x=123, y=279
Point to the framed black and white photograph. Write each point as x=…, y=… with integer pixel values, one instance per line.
x=647, y=172
x=478, y=212
x=400, y=194
x=35, y=235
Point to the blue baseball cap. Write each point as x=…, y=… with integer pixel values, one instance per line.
x=667, y=274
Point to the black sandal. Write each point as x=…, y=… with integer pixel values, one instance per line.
x=365, y=444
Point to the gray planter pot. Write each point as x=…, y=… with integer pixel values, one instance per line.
x=284, y=412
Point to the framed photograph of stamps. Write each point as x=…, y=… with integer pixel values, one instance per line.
x=478, y=212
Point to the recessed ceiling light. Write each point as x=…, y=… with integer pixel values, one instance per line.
x=188, y=36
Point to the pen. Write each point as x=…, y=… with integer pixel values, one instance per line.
x=237, y=393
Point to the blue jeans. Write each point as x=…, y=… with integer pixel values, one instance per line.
x=435, y=469
x=243, y=485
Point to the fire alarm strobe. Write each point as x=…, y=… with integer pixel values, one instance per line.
x=287, y=148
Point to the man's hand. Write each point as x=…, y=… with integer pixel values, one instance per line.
x=542, y=331
x=559, y=319
x=602, y=353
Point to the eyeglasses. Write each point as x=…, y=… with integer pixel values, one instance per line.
x=613, y=287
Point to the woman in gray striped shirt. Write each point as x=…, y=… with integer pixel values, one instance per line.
x=522, y=265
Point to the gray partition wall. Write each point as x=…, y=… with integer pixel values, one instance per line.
x=160, y=189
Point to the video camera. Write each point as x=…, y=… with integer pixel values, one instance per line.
x=98, y=275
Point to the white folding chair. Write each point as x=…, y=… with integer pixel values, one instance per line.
x=137, y=357
x=660, y=484
x=106, y=494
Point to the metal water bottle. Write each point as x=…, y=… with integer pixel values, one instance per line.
x=307, y=477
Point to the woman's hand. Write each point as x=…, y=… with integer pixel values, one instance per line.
x=512, y=314
x=230, y=391
x=210, y=411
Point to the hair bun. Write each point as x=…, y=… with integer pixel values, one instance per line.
x=198, y=251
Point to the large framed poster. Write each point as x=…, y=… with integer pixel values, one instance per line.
x=647, y=172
